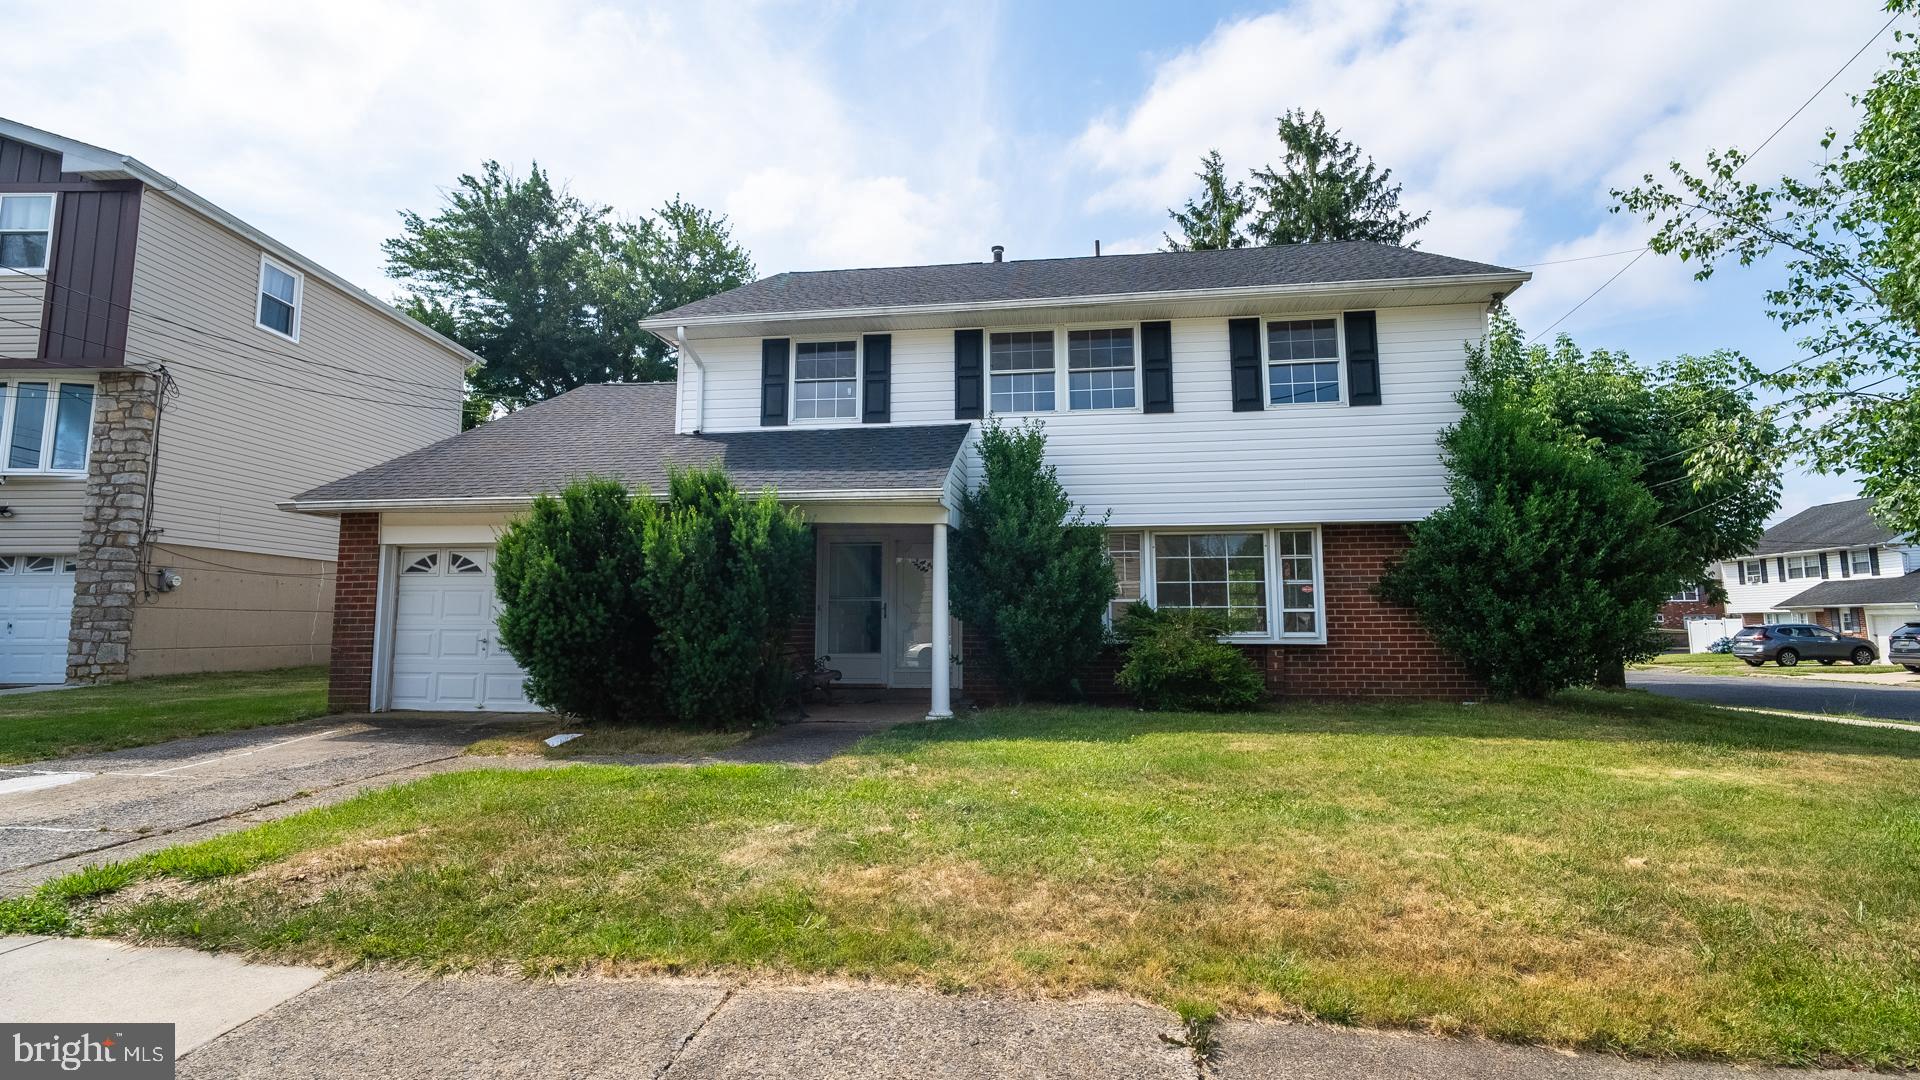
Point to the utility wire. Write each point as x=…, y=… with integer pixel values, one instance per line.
x=1736, y=171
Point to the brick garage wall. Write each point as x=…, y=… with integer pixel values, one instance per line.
x=355, y=598
x=1374, y=649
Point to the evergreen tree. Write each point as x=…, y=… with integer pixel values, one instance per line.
x=1323, y=191
x=1217, y=218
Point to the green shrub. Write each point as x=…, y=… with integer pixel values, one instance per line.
x=570, y=576
x=726, y=575
x=1176, y=661
x=1030, y=574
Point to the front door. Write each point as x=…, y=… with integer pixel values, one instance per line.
x=853, y=611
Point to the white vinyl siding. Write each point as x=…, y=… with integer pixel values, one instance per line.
x=47, y=513
x=231, y=448
x=1202, y=464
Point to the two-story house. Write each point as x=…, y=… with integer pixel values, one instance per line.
x=1256, y=426
x=1833, y=565
x=168, y=374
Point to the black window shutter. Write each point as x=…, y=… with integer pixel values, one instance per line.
x=876, y=377
x=1156, y=367
x=1873, y=560
x=1363, y=359
x=1782, y=567
x=773, y=381
x=967, y=376
x=1243, y=345
x=1846, y=557
x=1763, y=571
x=1743, y=572
x=1823, y=566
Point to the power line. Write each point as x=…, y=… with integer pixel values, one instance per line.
x=1736, y=170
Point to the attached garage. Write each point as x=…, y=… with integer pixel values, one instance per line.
x=36, y=611
x=446, y=650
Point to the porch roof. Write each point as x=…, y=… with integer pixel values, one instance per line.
x=625, y=432
x=1856, y=592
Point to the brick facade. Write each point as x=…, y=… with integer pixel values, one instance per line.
x=113, y=529
x=355, y=600
x=1374, y=649
x=1674, y=613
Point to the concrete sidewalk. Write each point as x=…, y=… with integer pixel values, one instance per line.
x=245, y=1020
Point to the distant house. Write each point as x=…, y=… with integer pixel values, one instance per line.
x=1833, y=565
x=168, y=373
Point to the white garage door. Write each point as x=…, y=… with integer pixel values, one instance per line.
x=445, y=652
x=1881, y=628
x=36, y=610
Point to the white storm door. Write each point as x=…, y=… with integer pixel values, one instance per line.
x=446, y=653
x=36, y=614
x=852, y=613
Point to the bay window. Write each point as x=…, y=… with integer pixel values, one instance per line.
x=826, y=380
x=1263, y=583
x=26, y=232
x=1020, y=364
x=45, y=427
x=1123, y=549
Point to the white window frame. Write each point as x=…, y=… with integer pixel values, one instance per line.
x=1750, y=568
x=9, y=388
x=1276, y=617
x=1143, y=554
x=1063, y=376
x=53, y=221
x=1688, y=596
x=299, y=296
x=1776, y=618
x=1860, y=562
x=1848, y=624
x=859, y=379
x=1808, y=565
x=1058, y=333
x=1339, y=362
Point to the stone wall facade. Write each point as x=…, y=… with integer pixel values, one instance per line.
x=113, y=529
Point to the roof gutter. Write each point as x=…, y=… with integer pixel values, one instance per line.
x=679, y=324
x=96, y=163
x=700, y=399
x=519, y=502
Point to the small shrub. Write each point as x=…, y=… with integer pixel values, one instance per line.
x=1176, y=661
x=1721, y=645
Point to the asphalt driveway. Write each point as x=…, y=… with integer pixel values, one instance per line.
x=1807, y=695
x=58, y=815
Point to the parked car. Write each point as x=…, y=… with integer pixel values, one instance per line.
x=1787, y=644
x=1903, y=647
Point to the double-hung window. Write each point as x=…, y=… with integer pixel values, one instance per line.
x=1303, y=361
x=1860, y=562
x=1687, y=596
x=46, y=427
x=1752, y=569
x=26, y=232
x=826, y=380
x=1123, y=548
x=1803, y=566
x=280, y=292
x=1849, y=620
x=1021, y=365
x=1100, y=369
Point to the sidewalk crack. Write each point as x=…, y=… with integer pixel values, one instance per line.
x=673, y=1058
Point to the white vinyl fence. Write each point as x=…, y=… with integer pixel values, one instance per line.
x=1704, y=630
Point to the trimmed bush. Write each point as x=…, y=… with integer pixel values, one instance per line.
x=726, y=574
x=1030, y=573
x=570, y=575
x=1177, y=662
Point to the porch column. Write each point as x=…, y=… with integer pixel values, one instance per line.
x=941, y=707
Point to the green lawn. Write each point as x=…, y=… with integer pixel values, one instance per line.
x=94, y=718
x=1614, y=872
x=605, y=740
x=1727, y=664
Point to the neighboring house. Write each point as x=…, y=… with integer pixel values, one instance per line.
x=1257, y=427
x=1833, y=565
x=167, y=375
x=1689, y=603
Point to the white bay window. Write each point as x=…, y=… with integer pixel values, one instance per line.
x=1263, y=583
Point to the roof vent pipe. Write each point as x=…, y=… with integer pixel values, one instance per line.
x=1096, y=249
x=998, y=251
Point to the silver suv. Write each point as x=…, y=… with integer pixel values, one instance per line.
x=1787, y=644
x=1903, y=647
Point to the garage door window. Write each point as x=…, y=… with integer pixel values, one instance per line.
x=425, y=564
x=461, y=563
x=45, y=427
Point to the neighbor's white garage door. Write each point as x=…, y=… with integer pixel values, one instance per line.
x=36, y=608
x=1881, y=628
x=445, y=652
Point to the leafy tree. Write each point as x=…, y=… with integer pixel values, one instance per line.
x=1849, y=238
x=570, y=575
x=1217, y=219
x=1322, y=191
x=1029, y=572
x=1597, y=488
x=726, y=575
x=549, y=289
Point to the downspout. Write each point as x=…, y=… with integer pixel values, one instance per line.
x=687, y=353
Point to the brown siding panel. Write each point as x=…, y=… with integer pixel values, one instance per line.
x=90, y=283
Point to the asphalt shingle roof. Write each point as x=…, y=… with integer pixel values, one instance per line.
x=625, y=431
x=1108, y=275
x=1850, y=592
x=1830, y=525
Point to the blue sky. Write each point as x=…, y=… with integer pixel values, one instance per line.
x=848, y=133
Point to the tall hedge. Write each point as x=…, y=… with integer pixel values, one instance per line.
x=727, y=574
x=571, y=577
x=1030, y=573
